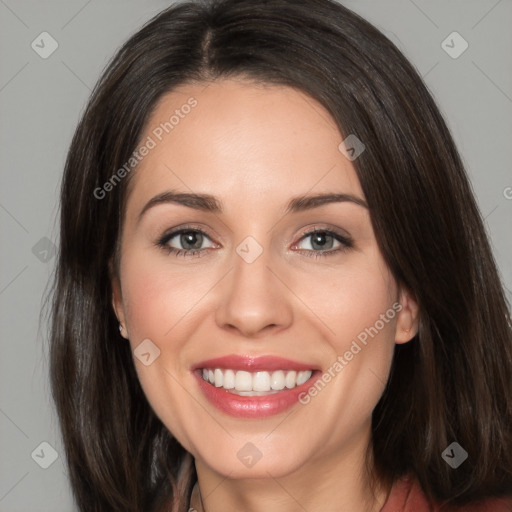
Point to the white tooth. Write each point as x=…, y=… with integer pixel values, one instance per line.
x=291, y=379
x=218, y=377
x=229, y=379
x=261, y=381
x=303, y=377
x=277, y=380
x=258, y=382
x=243, y=381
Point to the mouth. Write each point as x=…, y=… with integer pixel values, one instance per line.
x=261, y=383
x=248, y=387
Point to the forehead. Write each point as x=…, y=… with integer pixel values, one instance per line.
x=241, y=142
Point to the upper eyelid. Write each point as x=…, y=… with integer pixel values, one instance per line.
x=344, y=239
x=171, y=233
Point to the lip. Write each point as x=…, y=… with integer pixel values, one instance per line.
x=253, y=364
x=253, y=406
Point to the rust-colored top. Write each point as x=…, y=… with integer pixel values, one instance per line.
x=407, y=496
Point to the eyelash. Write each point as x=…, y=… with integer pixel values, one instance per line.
x=164, y=240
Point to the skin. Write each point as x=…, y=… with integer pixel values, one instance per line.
x=255, y=147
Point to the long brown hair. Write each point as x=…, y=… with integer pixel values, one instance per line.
x=453, y=382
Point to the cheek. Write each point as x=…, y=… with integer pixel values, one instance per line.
x=356, y=299
x=156, y=298
x=357, y=308
x=159, y=306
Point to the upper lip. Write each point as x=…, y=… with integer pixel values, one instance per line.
x=253, y=363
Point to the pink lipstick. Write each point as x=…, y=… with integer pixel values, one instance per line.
x=254, y=387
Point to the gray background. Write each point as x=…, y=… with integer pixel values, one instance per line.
x=41, y=101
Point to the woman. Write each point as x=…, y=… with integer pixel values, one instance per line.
x=335, y=336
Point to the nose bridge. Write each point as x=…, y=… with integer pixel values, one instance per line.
x=254, y=299
x=251, y=264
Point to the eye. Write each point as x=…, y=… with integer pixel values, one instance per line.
x=320, y=242
x=190, y=239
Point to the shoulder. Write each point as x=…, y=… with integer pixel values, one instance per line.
x=407, y=496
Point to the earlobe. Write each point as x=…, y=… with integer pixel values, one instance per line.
x=408, y=317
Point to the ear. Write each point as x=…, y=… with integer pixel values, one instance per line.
x=117, y=301
x=407, y=319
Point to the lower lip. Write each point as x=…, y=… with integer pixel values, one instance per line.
x=253, y=406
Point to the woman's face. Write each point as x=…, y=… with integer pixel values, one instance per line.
x=247, y=295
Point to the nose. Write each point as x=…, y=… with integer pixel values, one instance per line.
x=255, y=299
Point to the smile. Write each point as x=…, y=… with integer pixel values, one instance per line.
x=254, y=387
x=258, y=383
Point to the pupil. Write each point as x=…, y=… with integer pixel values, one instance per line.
x=319, y=239
x=191, y=238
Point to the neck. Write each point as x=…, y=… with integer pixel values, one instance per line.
x=337, y=482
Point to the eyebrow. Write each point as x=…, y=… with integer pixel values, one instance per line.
x=210, y=204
